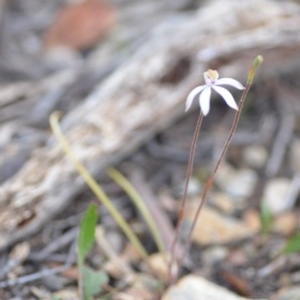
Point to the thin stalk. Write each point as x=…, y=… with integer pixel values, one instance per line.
x=258, y=60
x=95, y=187
x=184, y=198
x=126, y=185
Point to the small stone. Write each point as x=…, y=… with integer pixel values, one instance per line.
x=255, y=156
x=20, y=252
x=195, y=187
x=192, y=287
x=285, y=224
x=158, y=262
x=214, y=254
x=223, y=202
x=252, y=219
x=243, y=183
x=237, y=183
x=274, y=195
x=224, y=174
x=214, y=228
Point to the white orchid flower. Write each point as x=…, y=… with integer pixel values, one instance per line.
x=204, y=91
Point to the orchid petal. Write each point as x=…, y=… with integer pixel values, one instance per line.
x=226, y=96
x=204, y=100
x=230, y=81
x=192, y=96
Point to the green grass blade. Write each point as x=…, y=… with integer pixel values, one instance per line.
x=86, y=232
x=139, y=203
x=93, y=185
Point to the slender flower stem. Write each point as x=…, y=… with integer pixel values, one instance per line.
x=173, y=277
x=211, y=178
x=258, y=60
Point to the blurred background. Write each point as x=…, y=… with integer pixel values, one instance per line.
x=119, y=72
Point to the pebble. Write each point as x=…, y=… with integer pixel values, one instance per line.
x=252, y=219
x=20, y=252
x=255, y=156
x=158, y=263
x=213, y=228
x=214, y=254
x=274, y=195
x=195, y=187
x=285, y=224
x=192, y=287
x=223, y=202
x=237, y=183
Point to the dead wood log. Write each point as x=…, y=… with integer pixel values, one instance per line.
x=145, y=96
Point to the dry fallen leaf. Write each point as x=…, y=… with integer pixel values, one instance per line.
x=80, y=26
x=236, y=282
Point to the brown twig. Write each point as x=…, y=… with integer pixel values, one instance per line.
x=172, y=277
